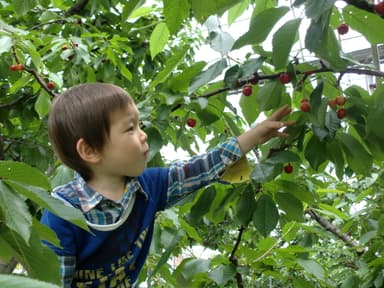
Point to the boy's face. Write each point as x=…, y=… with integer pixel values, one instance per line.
x=126, y=151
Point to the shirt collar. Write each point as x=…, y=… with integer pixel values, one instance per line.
x=89, y=198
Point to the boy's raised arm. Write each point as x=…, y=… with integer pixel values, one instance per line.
x=265, y=130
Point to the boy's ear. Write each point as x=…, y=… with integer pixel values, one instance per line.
x=86, y=152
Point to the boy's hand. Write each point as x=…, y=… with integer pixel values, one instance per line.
x=265, y=130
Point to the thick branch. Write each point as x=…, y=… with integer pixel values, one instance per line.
x=327, y=225
x=233, y=258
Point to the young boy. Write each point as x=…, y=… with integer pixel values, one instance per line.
x=94, y=129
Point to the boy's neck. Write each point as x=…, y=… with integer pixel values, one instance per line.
x=109, y=187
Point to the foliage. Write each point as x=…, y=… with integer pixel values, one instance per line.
x=320, y=226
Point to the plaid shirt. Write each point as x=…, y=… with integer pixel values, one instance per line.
x=184, y=177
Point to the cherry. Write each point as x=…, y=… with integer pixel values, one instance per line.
x=13, y=67
x=341, y=113
x=340, y=100
x=247, y=90
x=379, y=8
x=51, y=85
x=285, y=77
x=19, y=67
x=305, y=106
x=332, y=103
x=343, y=29
x=191, y=122
x=288, y=168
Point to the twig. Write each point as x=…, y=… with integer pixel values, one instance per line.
x=233, y=258
x=37, y=76
x=327, y=225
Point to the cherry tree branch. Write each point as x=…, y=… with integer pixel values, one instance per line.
x=36, y=75
x=327, y=225
x=233, y=258
x=323, y=69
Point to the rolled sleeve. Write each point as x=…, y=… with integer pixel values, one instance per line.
x=186, y=177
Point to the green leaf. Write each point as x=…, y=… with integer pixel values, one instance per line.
x=368, y=24
x=208, y=75
x=45, y=200
x=15, y=211
x=312, y=267
x=170, y=66
x=282, y=157
x=269, y=95
x=155, y=141
x=22, y=7
x=330, y=210
x=174, y=240
x=221, y=41
x=202, y=9
x=175, y=11
x=20, y=83
x=246, y=206
x=130, y=7
x=236, y=11
x=290, y=205
x=140, y=12
x=265, y=216
x=158, y=39
x=188, y=270
x=321, y=40
x=203, y=204
x=39, y=260
x=19, y=281
x=222, y=274
x=43, y=103
x=249, y=106
x=22, y=172
x=358, y=158
x=260, y=26
x=335, y=154
x=314, y=9
x=282, y=42
x=180, y=82
x=315, y=152
x=265, y=171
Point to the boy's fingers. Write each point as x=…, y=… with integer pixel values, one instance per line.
x=281, y=112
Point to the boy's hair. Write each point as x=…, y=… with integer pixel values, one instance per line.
x=83, y=111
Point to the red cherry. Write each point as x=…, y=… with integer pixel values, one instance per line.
x=191, y=122
x=341, y=113
x=340, y=100
x=343, y=29
x=332, y=103
x=288, y=168
x=51, y=85
x=285, y=78
x=13, y=67
x=247, y=90
x=305, y=106
x=19, y=67
x=379, y=8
